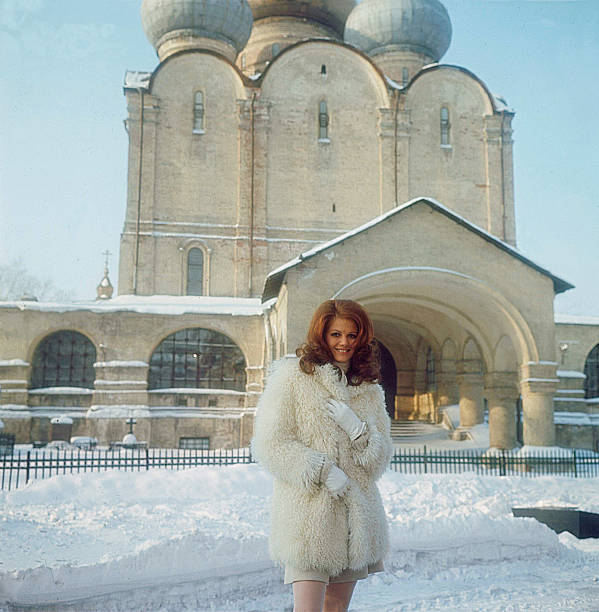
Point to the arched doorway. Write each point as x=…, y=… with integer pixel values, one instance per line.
x=388, y=378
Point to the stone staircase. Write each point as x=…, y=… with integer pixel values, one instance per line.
x=412, y=431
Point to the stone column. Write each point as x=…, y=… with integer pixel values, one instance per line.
x=470, y=384
x=501, y=390
x=538, y=385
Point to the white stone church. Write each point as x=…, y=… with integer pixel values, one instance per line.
x=281, y=153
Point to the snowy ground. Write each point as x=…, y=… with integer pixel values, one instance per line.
x=195, y=540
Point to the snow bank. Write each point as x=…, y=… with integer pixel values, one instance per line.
x=92, y=535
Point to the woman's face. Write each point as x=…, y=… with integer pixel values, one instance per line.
x=341, y=337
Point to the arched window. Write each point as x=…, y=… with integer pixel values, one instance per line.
x=591, y=370
x=64, y=359
x=197, y=358
x=323, y=121
x=195, y=272
x=198, y=112
x=405, y=76
x=275, y=49
x=430, y=370
x=445, y=127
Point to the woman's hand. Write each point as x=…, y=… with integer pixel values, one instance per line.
x=336, y=481
x=346, y=418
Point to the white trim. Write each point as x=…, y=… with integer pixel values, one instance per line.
x=120, y=364
x=570, y=374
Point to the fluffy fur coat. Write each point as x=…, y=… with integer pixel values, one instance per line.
x=293, y=438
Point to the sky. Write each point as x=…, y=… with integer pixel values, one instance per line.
x=63, y=146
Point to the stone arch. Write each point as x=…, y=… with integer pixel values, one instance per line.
x=472, y=304
x=448, y=349
x=504, y=357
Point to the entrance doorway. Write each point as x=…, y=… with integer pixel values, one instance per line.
x=389, y=378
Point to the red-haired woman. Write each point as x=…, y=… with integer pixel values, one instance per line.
x=322, y=431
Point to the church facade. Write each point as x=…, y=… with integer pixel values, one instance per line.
x=280, y=154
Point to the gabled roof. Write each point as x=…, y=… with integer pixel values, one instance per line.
x=275, y=279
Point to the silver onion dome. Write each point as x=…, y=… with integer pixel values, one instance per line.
x=228, y=21
x=331, y=13
x=417, y=26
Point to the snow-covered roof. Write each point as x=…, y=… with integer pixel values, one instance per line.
x=274, y=280
x=576, y=319
x=153, y=304
x=135, y=79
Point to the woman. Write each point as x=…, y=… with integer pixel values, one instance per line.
x=322, y=430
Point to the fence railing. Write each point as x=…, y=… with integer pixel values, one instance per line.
x=21, y=467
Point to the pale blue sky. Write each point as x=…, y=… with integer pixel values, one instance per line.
x=63, y=153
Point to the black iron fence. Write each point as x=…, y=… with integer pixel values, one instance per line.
x=553, y=462
x=20, y=467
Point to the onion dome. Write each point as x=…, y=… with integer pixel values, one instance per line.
x=421, y=27
x=331, y=13
x=105, y=289
x=279, y=24
x=220, y=25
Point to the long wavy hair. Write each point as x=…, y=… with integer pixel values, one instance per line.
x=364, y=364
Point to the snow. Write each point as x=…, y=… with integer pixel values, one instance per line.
x=570, y=374
x=61, y=391
x=114, y=541
x=576, y=319
x=13, y=362
x=148, y=304
x=120, y=364
x=137, y=79
x=575, y=418
x=62, y=420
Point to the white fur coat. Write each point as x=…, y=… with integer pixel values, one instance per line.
x=293, y=437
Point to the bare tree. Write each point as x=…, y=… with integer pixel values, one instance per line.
x=17, y=282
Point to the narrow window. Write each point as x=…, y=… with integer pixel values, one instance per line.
x=198, y=113
x=243, y=61
x=445, y=127
x=323, y=70
x=195, y=272
x=323, y=121
x=405, y=76
x=275, y=49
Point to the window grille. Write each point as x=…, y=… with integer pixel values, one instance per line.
x=195, y=272
x=591, y=370
x=198, y=112
x=194, y=443
x=323, y=121
x=445, y=127
x=430, y=370
x=64, y=359
x=197, y=358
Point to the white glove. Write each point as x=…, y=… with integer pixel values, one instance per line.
x=336, y=481
x=346, y=418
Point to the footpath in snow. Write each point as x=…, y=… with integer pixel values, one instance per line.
x=196, y=540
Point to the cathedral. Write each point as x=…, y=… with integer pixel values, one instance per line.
x=281, y=153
